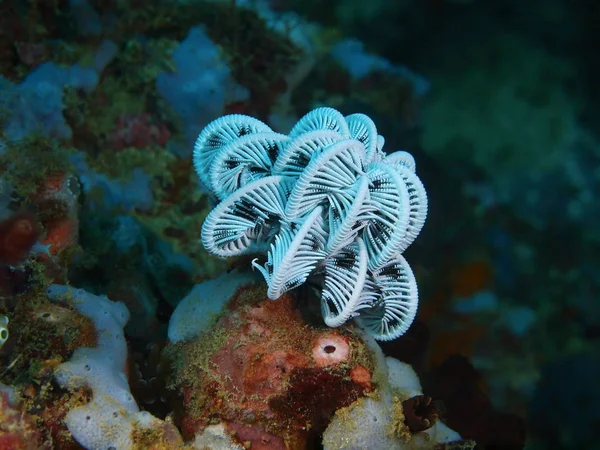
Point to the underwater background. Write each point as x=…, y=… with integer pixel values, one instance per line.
x=101, y=102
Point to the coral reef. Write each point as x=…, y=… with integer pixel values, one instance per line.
x=101, y=102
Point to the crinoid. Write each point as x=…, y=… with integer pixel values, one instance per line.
x=295, y=253
x=322, y=119
x=244, y=160
x=247, y=219
x=324, y=200
x=345, y=276
x=396, y=298
x=216, y=135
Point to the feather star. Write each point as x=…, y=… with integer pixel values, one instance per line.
x=323, y=200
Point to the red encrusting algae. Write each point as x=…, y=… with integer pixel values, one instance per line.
x=18, y=234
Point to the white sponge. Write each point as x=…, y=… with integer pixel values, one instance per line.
x=196, y=312
x=107, y=422
x=109, y=317
x=366, y=424
x=101, y=424
x=402, y=377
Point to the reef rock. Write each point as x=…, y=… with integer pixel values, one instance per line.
x=271, y=380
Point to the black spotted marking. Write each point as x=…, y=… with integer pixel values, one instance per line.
x=314, y=244
x=244, y=130
x=336, y=214
x=271, y=220
x=377, y=183
x=226, y=236
x=392, y=271
x=214, y=140
x=300, y=159
x=331, y=305
x=378, y=228
x=244, y=209
x=345, y=260
x=272, y=151
x=256, y=170
x=291, y=284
